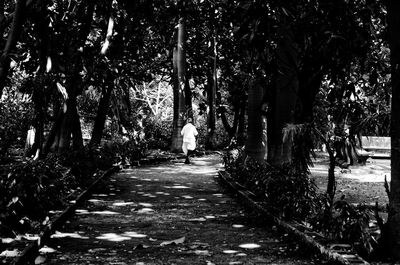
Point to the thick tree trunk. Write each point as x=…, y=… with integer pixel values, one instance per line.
x=283, y=103
x=179, y=82
x=391, y=233
x=13, y=35
x=70, y=130
x=255, y=142
x=67, y=128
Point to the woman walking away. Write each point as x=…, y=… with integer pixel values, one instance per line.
x=189, y=133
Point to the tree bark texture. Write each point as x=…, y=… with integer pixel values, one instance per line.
x=102, y=111
x=284, y=97
x=68, y=131
x=179, y=83
x=211, y=94
x=255, y=142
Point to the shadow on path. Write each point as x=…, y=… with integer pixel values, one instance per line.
x=168, y=214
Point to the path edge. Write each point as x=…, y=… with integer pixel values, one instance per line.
x=31, y=251
x=336, y=257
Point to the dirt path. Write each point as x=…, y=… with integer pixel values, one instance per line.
x=168, y=214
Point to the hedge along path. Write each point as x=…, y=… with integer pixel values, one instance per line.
x=168, y=214
x=342, y=254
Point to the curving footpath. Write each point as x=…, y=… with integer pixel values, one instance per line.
x=168, y=214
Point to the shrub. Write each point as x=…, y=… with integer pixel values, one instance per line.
x=286, y=192
x=15, y=118
x=158, y=133
x=29, y=191
x=347, y=223
x=290, y=193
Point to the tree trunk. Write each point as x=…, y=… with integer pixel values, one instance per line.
x=102, y=110
x=13, y=35
x=179, y=83
x=67, y=128
x=391, y=233
x=255, y=142
x=284, y=98
x=211, y=94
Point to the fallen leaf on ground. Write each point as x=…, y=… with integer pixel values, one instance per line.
x=173, y=242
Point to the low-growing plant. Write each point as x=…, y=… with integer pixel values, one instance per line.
x=29, y=191
x=347, y=223
x=287, y=192
x=290, y=193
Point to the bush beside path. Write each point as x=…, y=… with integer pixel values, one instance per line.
x=168, y=214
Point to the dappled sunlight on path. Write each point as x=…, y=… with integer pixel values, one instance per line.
x=167, y=214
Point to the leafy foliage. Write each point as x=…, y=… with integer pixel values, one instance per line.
x=14, y=123
x=29, y=191
x=286, y=192
x=347, y=223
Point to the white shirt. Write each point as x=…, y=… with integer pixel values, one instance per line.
x=189, y=132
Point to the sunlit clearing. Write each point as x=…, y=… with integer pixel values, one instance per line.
x=95, y=200
x=218, y=195
x=112, y=194
x=202, y=200
x=230, y=251
x=113, y=180
x=70, y=235
x=145, y=210
x=187, y=197
x=249, y=246
x=104, y=213
x=122, y=203
x=160, y=193
x=237, y=226
x=73, y=201
x=100, y=195
x=139, y=185
x=133, y=177
x=113, y=237
x=145, y=204
x=46, y=249
x=147, y=179
x=209, y=217
x=241, y=254
x=133, y=234
x=81, y=211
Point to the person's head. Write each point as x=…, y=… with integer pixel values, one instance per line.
x=189, y=120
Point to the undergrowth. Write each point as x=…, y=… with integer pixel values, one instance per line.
x=289, y=193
